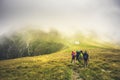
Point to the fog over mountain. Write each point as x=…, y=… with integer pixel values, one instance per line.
x=100, y=17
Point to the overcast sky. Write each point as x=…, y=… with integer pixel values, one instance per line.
x=68, y=16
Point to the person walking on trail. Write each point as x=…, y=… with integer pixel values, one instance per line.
x=86, y=58
x=73, y=56
x=79, y=55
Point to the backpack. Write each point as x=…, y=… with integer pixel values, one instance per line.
x=85, y=56
x=81, y=55
x=73, y=54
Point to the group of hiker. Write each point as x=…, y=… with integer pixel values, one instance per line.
x=80, y=56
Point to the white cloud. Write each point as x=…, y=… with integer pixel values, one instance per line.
x=101, y=16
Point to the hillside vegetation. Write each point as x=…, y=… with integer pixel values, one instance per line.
x=30, y=43
x=103, y=65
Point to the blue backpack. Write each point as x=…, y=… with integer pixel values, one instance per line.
x=85, y=56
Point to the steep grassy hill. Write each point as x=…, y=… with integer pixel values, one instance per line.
x=103, y=65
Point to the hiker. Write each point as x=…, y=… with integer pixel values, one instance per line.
x=81, y=54
x=73, y=56
x=78, y=56
x=86, y=58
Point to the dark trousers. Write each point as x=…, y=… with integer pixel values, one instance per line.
x=73, y=59
x=85, y=62
x=78, y=59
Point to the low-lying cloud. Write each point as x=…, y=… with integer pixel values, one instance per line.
x=67, y=16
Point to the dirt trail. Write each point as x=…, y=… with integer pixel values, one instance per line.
x=75, y=75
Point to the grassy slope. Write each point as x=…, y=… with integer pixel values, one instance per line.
x=103, y=65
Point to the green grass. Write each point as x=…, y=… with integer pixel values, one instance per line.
x=103, y=65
